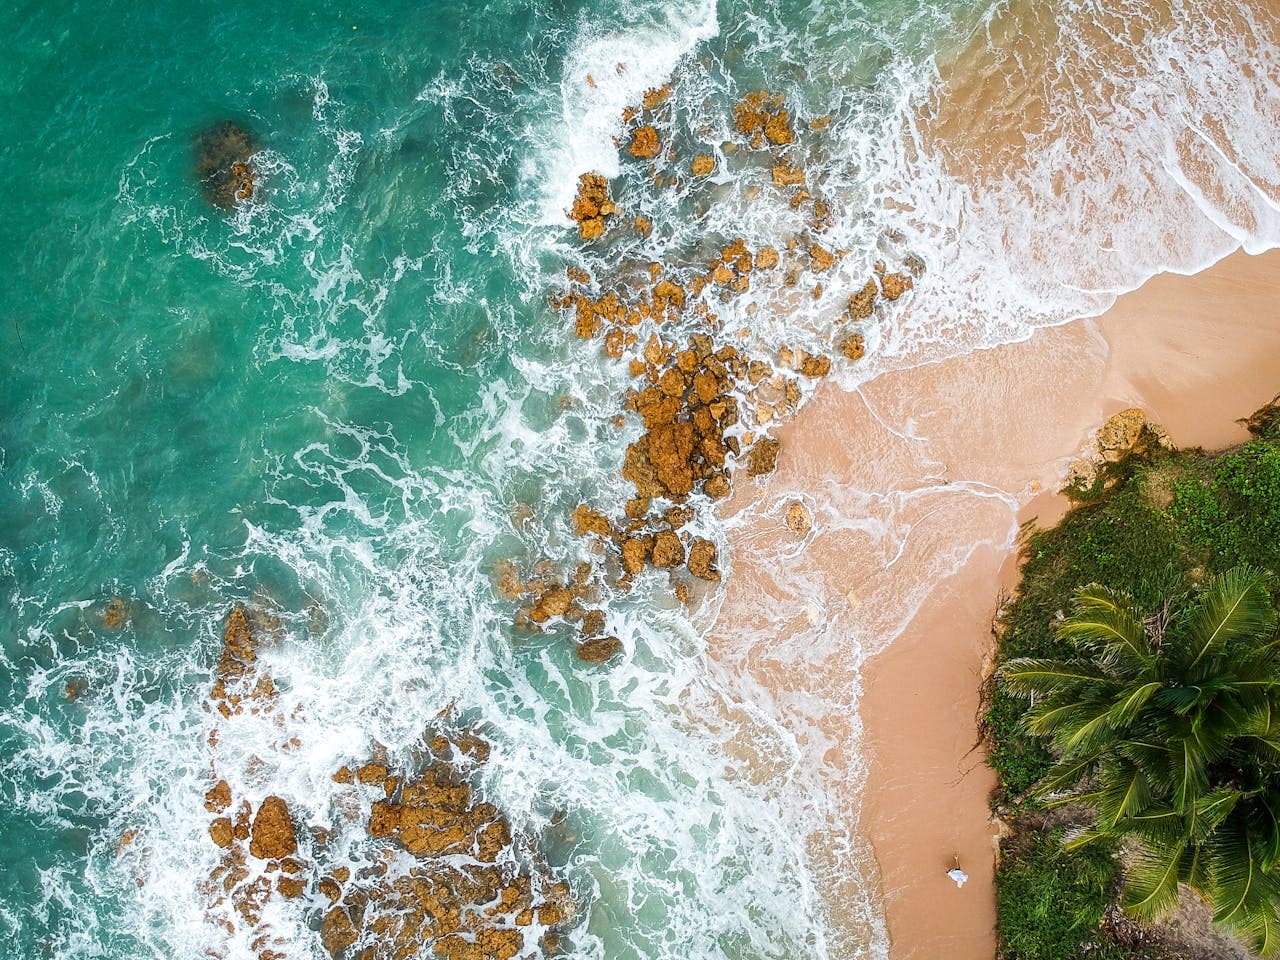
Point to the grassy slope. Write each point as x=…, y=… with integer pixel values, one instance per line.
x=1166, y=520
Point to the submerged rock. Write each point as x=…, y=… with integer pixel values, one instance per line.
x=224, y=163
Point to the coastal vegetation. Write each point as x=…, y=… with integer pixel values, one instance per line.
x=1135, y=716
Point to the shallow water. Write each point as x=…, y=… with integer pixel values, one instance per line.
x=341, y=402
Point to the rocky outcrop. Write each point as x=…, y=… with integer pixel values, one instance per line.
x=644, y=143
x=591, y=206
x=599, y=649
x=1124, y=434
x=436, y=866
x=272, y=837
x=761, y=118
x=704, y=164
x=224, y=163
x=460, y=889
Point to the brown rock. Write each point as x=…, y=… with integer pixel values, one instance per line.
x=703, y=164
x=785, y=175
x=895, y=285
x=344, y=775
x=644, y=226
x=763, y=457
x=717, y=488
x=371, y=773
x=635, y=553
x=290, y=887
x=778, y=129
x=337, y=932
x=599, y=649
x=702, y=558
x=218, y=798
x=671, y=383
x=272, y=836
x=670, y=447
x=668, y=551
x=614, y=343
x=555, y=602
x=853, y=346
x=655, y=97
x=677, y=517
x=593, y=623
x=815, y=366
x=636, y=508
x=863, y=302
x=822, y=258
x=644, y=143
x=591, y=205
x=221, y=832
x=798, y=518
x=586, y=520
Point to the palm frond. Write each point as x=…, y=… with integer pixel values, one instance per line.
x=1151, y=883
x=1107, y=621
x=1234, y=606
x=1027, y=676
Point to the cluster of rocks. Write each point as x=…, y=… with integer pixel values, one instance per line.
x=549, y=598
x=591, y=206
x=1124, y=434
x=433, y=865
x=704, y=406
x=761, y=117
x=461, y=890
x=224, y=163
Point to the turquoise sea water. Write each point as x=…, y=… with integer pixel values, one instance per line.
x=339, y=401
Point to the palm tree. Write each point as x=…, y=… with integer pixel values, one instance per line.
x=1169, y=729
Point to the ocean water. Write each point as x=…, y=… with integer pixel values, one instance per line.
x=347, y=401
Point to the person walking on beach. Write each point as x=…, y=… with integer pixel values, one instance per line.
x=956, y=874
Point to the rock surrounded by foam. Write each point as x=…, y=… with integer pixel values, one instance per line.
x=224, y=163
x=461, y=889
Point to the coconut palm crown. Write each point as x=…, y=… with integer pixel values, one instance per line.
x=1168, y=727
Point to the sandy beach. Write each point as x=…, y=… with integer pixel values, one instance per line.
x=916, y=485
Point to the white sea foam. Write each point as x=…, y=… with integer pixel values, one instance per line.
x=608, y=68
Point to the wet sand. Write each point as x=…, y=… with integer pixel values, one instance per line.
x=871, y=631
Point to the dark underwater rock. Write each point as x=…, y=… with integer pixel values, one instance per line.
x=224, y=163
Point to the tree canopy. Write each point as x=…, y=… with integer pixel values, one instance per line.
x=1168, y=727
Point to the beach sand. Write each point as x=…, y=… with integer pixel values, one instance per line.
x=916, y=485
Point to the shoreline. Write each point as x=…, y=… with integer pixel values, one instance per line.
x=916, y=484
x=1171, y=345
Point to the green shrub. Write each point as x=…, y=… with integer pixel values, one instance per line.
x=1050, y=901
